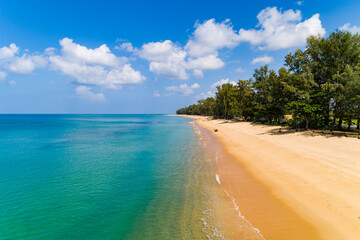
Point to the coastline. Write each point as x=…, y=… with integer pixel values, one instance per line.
x=290, y=186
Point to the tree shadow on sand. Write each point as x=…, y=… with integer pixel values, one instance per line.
x=309, y=133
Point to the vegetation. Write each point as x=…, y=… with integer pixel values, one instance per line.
x=319, y=87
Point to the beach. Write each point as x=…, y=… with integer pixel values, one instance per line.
x=290, y=185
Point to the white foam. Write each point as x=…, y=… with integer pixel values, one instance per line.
x=217, y=176
x=218, y=179
x=233, y=199
x=242, y=216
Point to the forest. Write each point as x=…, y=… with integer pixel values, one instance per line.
x=317, y=88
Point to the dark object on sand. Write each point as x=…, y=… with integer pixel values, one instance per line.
x=280, y=130
x=215, y=130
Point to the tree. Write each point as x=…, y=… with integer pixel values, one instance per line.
x=328, y=58
x=226, y=104
x=315, y=85
x=245, y=96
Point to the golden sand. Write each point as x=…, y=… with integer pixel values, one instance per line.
x=291, y=185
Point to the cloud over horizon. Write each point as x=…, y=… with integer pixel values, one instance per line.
x=86, y=93
x=183, y=89
x=100, y=67
x=97, y=66
x=13, y=61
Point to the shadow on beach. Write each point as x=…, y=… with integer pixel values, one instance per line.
x=307, y=133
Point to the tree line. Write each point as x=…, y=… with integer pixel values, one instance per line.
x=319, y=87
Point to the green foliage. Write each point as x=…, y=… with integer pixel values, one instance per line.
x=316, y=86
x=226, y=102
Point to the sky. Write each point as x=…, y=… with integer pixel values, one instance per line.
x=147, y=56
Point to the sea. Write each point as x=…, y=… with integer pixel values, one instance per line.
x=88, y=177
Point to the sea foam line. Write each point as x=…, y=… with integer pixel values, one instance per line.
x=217, y=176
x=234, y=200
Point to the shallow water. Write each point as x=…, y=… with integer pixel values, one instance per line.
x=105, y=177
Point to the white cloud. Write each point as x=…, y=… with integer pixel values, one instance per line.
x=195, y=86
x=278, y=30
x=26, y=64
x=8, y=52
x=101, y=55
x=127, y=46
x=240, y=70
x=198, y=73
x=263, y=60
x=171, y=61
x=166, y=59
x=353, y=29
x=209, y=37
x=183, y=89
x=50, y=51
x=94, y=66
x=85, y=93
x=158, y=51
x=299, y=3
x=205, y=95
x=11, y=60
x=221, y=82
x=210, y=62
x=282, y=29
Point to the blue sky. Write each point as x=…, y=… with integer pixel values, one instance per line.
x=147, y=56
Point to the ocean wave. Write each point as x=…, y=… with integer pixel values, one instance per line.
x=218, y=178
x=236, y=207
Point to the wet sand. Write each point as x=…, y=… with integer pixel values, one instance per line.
x=290, y=186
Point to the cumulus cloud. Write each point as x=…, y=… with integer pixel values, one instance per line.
x=277, y=30
x=183, y=89
x=195, y=86
x=299, y=3
x=263, y=60
x=12, y=60
x=170, y=61
x=198, y=73
x=84, y=92
x=8, y=52
x=127, y=46
x=173, y=62
x=94, y=66
x=209, y=37
x=166, y=59
x=26, y=64
x=221, y=82
x=101, y=55
x=353, y=29
x=282, y=29
x=210, y=62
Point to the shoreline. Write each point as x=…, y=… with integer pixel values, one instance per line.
x=290, y=186
x=232, y=223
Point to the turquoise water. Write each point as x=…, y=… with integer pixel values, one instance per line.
x=104, y=177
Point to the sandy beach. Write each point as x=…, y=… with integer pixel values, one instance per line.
x=296, y=185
